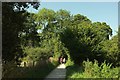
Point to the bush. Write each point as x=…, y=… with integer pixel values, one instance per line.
x=108, y=72
x=93, y=70
x=69, y=61
x=35, y=54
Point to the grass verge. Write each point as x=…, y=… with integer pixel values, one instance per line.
x=23, y=73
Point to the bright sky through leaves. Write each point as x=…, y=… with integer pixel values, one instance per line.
x=95, y=11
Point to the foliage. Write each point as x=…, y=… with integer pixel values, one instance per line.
x=35, y=54
x=82, y=40
x=36, y=37
x=93, y=70
x=119, y=37
x=112, y=52
x=79, y=35
x=29, y=35
x=12, y=22
x=29, y=72
x=69, y=62
x=103, y=30
x=45, y=17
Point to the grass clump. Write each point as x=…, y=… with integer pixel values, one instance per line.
x=91, y=69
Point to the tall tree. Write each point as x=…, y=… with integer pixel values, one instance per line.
x=29, y=35
x=44, y=17
x=83, y=38
x=12, y=22
x=63, y=19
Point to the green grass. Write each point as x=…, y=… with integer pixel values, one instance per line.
x=73, y=70
x=92, y=70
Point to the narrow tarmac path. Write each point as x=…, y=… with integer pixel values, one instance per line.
x=57, y=73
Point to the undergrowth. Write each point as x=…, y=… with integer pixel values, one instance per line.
x=92, y=70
